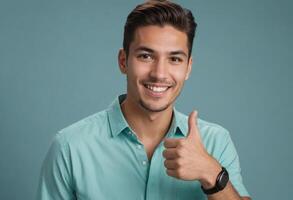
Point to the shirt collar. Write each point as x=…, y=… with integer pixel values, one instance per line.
x=118, y=123
x=180, y=123
x=115, y=116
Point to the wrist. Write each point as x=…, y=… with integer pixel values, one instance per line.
x=210, y=176
x=220, y=183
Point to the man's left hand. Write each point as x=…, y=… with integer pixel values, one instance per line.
x=187, y=158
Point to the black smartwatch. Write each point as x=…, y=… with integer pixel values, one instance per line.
x=221, y=182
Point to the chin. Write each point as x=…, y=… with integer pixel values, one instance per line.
x=153, y=108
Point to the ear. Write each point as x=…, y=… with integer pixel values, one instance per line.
x=122, y=61
x=189, y=67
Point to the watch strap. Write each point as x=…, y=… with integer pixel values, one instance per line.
x=220, y=183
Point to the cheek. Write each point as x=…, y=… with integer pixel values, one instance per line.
x=138, y=70
x=179, y=75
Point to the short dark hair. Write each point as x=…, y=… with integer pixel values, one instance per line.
x=159, y=12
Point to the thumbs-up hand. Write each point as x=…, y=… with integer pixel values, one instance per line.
x=187, y=158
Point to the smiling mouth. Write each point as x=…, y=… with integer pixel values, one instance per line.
x=157, y=89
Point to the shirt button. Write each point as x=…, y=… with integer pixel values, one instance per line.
x=139, y=146
x=144, y=162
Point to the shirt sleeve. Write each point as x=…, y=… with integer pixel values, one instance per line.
x=230, y=160
x=55, y=182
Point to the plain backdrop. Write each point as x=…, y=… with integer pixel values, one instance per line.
x=58, y=64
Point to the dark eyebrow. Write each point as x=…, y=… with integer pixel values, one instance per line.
x=143, y=48
x=178, y=52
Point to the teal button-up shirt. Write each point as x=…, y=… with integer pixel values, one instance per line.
x=100, y=157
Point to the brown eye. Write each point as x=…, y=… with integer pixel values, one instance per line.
x=176, y=60
x=145, y=57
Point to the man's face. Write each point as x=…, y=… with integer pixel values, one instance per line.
x=156, y=67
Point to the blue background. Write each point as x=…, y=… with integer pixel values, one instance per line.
x=58, y=62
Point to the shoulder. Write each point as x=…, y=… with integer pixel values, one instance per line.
x=210, y=129
x=84, y=129
x=215, y=138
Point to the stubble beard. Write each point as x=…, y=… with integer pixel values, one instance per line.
x=148, y=108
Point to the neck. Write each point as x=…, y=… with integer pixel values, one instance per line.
x=146, y=124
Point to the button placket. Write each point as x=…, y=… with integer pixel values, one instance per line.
x=144, y=162
x=154, y=174
x=143, y=156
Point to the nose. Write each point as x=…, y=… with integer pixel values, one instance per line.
x=159, y=69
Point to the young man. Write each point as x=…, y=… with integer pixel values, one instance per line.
x=141, y=147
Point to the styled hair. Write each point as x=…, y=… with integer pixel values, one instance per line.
x=160, y=13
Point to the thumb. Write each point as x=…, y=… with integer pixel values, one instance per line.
x=193, y=132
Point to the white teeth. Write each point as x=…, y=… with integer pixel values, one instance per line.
x=157, y=89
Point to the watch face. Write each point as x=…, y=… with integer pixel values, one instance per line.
x=223, y=180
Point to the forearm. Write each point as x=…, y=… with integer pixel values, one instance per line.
x=228, y=193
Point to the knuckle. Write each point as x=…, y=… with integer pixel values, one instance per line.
x=179, y=163
x=180, y=152
x=166, y=163
x=165, y=153
x=177, y=152
x=179, y=173
x=166, y=143
x=169, y=172
x=181, y=142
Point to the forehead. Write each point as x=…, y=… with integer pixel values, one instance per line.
x=165, y=38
